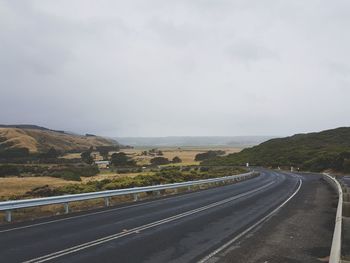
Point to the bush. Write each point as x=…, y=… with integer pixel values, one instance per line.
x=73, y=173
x=176, y=159
x=121, y=159
x=208, y=155
x=86, y=157
x=159, y=161
x=14, y=153
x=7, y=170
x=67, y=175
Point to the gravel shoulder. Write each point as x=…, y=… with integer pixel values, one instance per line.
x=300, y=232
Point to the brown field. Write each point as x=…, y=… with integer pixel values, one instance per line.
x=187, y=154
x=10, y=186
x=16, y=186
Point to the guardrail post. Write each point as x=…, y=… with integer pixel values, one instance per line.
x=66, y=208
x=175, y=190
x=8, y=216
x=106, y=201
x=136, y=197
x=346, y=197
x=158, y=193
x=189, y=188
x=346, y=209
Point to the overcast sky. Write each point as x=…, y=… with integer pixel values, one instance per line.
x=184, y=67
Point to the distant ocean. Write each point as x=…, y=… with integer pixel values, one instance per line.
x=182, y=141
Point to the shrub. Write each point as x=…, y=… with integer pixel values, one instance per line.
x=121, y=159
x=159, y=161
x=176, y=159
x=208, y=155
x=7, y=169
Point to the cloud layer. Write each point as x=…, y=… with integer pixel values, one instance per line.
x=157, y=68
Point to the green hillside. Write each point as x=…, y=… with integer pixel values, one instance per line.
x=313, y=151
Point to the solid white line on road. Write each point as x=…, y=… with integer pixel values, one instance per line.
x=140, y=228
x=262, y=220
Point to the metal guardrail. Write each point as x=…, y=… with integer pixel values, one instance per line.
x=8, y=206
x=335, y=256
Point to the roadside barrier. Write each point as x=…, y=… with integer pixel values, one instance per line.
x=335, y=256
x=9, y=206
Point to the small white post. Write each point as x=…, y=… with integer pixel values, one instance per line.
x=8, y=216
x=66, y=208
x=106, y=201
x=189, y=188
x=136, y=197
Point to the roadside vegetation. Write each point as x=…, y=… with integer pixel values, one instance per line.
x=96, y=169
x=165, y=176
x=312, y=152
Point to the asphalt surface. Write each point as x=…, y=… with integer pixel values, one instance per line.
x=182, y=228
x=301, y=232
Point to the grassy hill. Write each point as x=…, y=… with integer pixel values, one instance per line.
x=39, y=139
x=313, y=151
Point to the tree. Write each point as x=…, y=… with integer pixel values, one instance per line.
x=14, y=153
x=86, y=157
x=52, y=153
x=104, y=153
x=7, y=169
x=121, y=159
x=159, y=161
x=176, y=159
x=208, y=155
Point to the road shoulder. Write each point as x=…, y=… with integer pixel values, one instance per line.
x=300, y=232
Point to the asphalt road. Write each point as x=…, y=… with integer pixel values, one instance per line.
x=300, y=233
x=182, y=228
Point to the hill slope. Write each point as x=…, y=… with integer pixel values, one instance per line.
x=41, y=139
x=313, y=151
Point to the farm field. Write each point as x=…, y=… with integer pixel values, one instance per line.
x=186, y=154
x=14, y=186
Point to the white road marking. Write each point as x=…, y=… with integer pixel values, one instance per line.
x=140, y=228
x=215, y=252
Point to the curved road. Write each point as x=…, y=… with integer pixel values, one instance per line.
x=182, y=228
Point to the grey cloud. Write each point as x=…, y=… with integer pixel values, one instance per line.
x=150, y=68
x=250, y=52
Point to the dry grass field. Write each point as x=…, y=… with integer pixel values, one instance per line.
x=17, y=186
x=11, y=186
x=187, y=154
